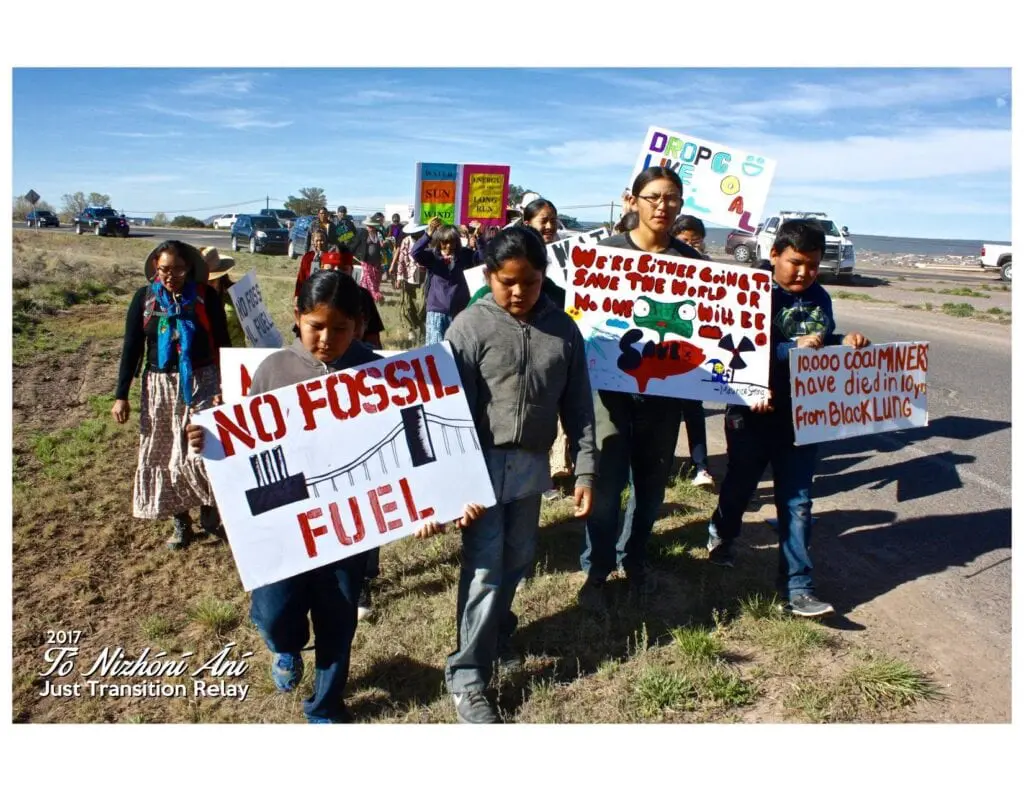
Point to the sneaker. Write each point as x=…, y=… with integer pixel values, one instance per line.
x=703, y=478
x=806, y=606
x=552, y=494
x=182, y=535
x=720, y=553
x=593, y=596
x=344, y=717
x=474, y=708
x=364, y=607
x=286, y=671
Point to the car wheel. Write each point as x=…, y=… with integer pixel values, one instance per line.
x=1006, y=271
x=78, y=229
x=98, y=231
x=291, y=250
x=742, y=254
x=234, y=243
x=844, y=277
x=252, y=245
x=28, y=223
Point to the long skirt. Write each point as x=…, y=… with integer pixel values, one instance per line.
x=370, y=280
x=170, y=479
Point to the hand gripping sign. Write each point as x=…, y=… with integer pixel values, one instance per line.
x=317, y=471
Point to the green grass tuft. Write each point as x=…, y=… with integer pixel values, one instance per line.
x=214, y=614
x=959, y=309
x=698, y=645
x=964, y=291
x=884, y=683
x=65, y=453
x=658, y=689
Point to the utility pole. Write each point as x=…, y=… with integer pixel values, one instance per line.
x=268, y=201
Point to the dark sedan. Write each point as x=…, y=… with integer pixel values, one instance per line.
x=41, y=219
x=260, y=234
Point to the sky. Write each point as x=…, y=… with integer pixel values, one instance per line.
x=903, y=152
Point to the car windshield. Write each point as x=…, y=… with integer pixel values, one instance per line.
x=106, y=213
x=287, y=214
x=265, y=223
x=44, y=213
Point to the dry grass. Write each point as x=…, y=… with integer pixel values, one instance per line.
x=708, y=647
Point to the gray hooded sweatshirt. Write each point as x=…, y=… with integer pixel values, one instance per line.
x=521, y=376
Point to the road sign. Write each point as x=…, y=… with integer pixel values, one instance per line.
x=32, y=197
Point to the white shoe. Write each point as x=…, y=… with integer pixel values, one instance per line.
x=703, y=478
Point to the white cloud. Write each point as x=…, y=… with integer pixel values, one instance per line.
x=931, y=153
x=230, y=117
x=219, y=85
x=142, y=135
x=148, y=178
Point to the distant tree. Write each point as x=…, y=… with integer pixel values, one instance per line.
x=184, y=221
x=98, y=199
x=310, y=201
x=515, y=195
x=160, y=219
x=74, y=204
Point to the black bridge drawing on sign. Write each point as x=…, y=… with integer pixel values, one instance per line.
x=423, y=432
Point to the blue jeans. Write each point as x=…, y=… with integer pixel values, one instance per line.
x=497, y=551
x=754, y=442
x=636, y=440
x=437, y=326
x=329, y=594
x=696, y=433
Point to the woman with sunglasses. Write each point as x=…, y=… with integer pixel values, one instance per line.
x=636, y=434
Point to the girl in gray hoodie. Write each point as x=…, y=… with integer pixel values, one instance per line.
x=522, y=363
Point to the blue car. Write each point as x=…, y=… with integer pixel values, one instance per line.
x=298, y=236
x=41, y=218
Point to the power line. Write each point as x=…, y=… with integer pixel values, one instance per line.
x=207, y=208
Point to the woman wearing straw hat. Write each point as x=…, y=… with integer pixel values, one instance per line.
x=176, y=326
x=220, y=281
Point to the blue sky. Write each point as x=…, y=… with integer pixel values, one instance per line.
x=911, y=152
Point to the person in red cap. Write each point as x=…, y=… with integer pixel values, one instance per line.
x=321, y=257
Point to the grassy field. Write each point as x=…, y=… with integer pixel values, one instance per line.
x=709, y=647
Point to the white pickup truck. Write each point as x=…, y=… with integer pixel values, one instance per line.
x=997, y=256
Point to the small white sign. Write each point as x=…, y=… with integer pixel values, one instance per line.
x=839, y=391
x=327, y=468
x=252, y=312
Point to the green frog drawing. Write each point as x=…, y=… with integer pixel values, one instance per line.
x=665, y=317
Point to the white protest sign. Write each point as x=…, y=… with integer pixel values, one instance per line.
x=671, y=326
x=558, y=253
x=839, y=391
x=721, y=184
x=252, y=313
x=237, y=367
x=317, y=471
x=476, y=278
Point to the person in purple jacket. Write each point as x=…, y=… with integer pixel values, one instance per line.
x=441, y=253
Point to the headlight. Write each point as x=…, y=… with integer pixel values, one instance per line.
x=261, y=234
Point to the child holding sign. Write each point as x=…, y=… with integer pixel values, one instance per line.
x=327, y=314
x=756, y=436
x=523, y=365
x=445, y=259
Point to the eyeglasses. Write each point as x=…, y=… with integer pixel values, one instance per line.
x=670, y=201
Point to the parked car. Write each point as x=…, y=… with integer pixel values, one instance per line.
x=997, y=256
x=41, y=218
x=284, y=216
x=102, y=221
x=225, y=221
x=839, y=258
x=298, y=236
x=260, y=233
x=741, y=245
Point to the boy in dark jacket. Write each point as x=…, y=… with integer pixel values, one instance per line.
x=801, y=316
